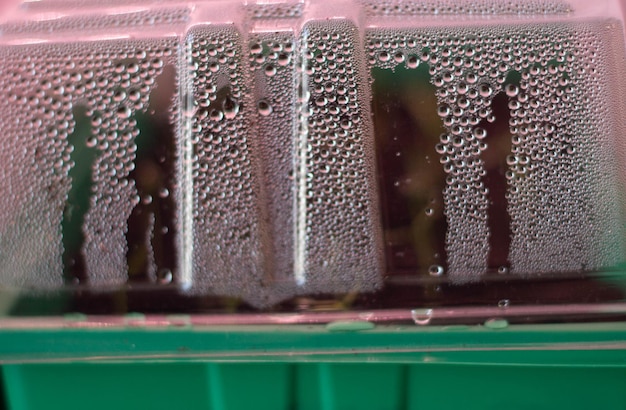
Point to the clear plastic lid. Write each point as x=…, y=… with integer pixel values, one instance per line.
x=294, y=161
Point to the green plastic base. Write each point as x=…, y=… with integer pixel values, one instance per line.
x=313, y=386
x=316, y=367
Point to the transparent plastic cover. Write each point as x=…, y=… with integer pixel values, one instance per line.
x=403, y=158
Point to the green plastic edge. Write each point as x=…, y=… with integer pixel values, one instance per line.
x=599, y=344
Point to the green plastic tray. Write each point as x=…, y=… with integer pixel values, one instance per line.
x=573, y=366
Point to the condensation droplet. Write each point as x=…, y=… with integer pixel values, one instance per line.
x=422, y=317
x=164, y=276
x=270, y=70
x=412, y=62
x=264, y=107
x=435, y=270
x=230, y=107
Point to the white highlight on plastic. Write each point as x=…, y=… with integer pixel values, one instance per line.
x=300, y=212
x=186, y=236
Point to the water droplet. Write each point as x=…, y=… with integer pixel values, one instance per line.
x=270, y=70
x=485, y=90
x=264, y=107
x=231, y=108
x=124, y=112
x=164, y=276
x=479, y=133
x=119, y=96
x=443, y=110
x=435, y=270
x=511, y=90
x=412, y=62
x=216, y=115
x=133, y=68
x=504, y=303
x=422, y=316
x=321, y=101
x=284, y=59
